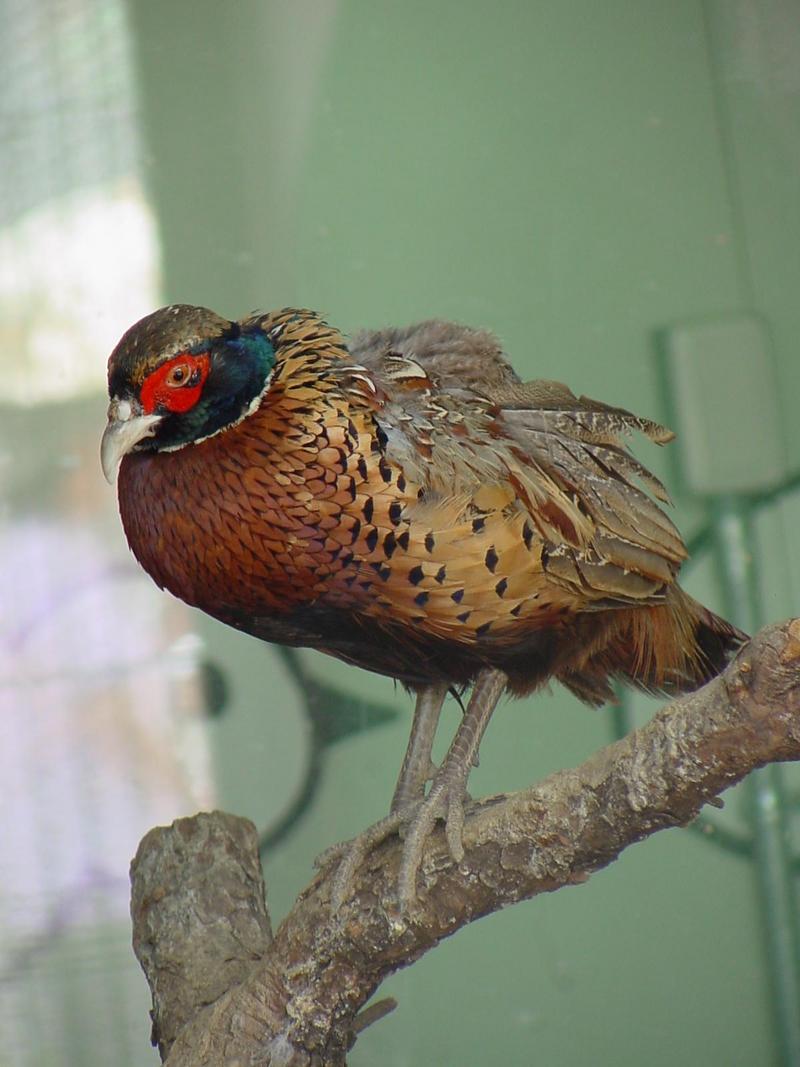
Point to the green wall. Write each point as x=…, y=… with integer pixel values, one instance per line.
x=578, y=177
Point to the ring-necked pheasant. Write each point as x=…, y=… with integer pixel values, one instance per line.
x=406, y=504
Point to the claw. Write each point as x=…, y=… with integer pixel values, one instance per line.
x=454, y=828
x=351, y=854
x=415, y=825
x=445, y=801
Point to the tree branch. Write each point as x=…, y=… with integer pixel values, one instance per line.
x=295, y=1000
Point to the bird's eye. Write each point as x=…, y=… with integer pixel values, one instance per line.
x=178, y=375
x=176, y=385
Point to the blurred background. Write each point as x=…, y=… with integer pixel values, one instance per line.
x=612, y=188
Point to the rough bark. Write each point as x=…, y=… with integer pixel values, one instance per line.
x=225, y=994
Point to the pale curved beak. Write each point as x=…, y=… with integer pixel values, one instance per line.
x=125, y=429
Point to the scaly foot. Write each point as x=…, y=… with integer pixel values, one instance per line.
x=415, y=824
x=351, y=854
x=416, y=820
x=444, y=801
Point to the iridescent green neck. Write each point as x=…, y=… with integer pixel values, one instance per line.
x=242, y=362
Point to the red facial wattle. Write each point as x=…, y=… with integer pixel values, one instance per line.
x=176, y=385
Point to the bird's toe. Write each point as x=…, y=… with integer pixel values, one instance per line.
x=351, y=854
x=445, y=801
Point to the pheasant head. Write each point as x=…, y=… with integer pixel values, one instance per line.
x=181, y=375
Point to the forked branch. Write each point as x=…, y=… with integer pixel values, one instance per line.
x=226, y=993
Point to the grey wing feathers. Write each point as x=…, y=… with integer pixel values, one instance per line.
x=456, y=356
x=635, y=550
x=590, y=420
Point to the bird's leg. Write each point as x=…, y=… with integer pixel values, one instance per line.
x=446, y=796
x=418, y=768
x=409, y=791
